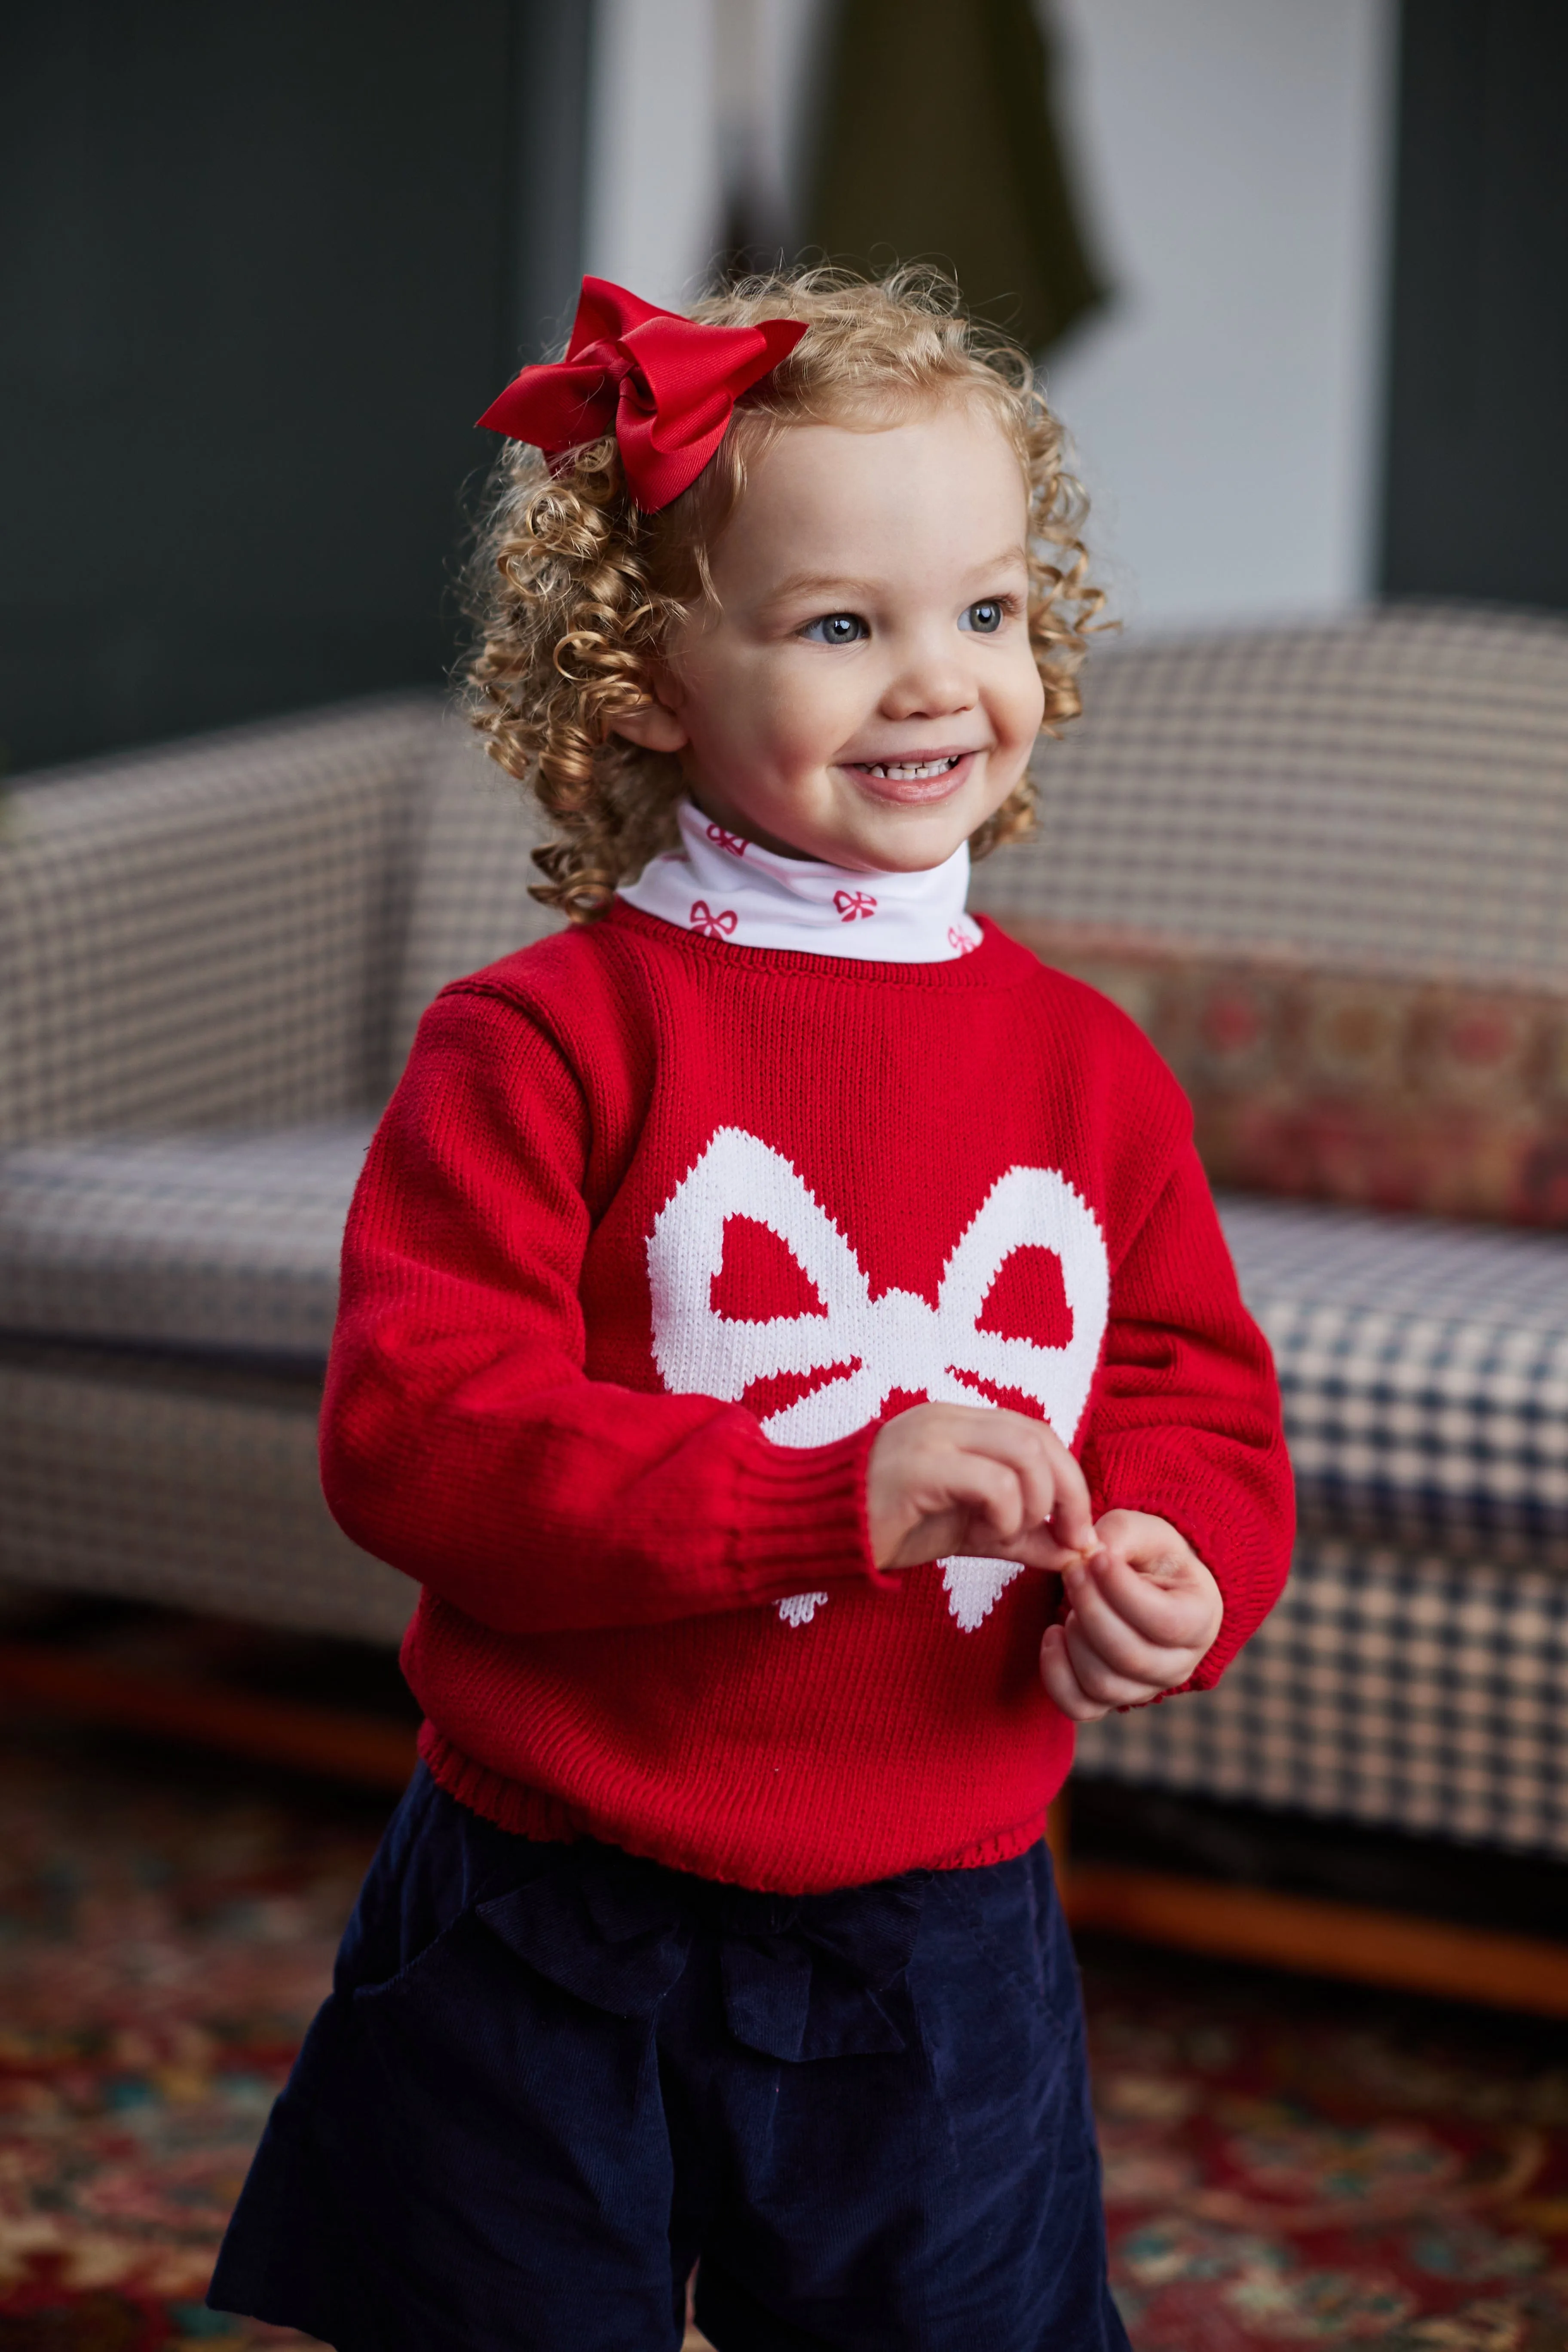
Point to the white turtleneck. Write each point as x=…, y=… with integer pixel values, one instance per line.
x=724, y=886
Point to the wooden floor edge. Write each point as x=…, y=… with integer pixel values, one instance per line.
x=374, y=1754
x=1317, y=1936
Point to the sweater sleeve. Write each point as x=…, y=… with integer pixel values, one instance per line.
x=1186, y=1422
x=461, y=1440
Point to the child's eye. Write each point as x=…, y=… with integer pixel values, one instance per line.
x=837, y=629
x=987, y=616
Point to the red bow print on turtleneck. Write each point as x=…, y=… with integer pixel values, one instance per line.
x=665, y=386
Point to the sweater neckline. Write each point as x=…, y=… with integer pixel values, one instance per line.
x=723, y=887
x=999, y=961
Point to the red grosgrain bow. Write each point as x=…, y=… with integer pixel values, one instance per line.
x=663, y=385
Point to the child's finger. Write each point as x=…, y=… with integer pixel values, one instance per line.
x=1073, y=1519
x=998, y=1488
x=1123, y=1650
x=1054, y=1490
x=1062, y=1685
x=1108, y=1687
x=981, y=1484
x=1038, y=1547
x=954, y=1478
x=1170, y=1615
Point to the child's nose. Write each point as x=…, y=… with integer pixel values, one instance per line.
x=932, y=684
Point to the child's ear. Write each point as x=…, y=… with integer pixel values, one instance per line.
x=657, y=725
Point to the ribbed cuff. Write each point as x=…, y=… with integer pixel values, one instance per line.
x=800, y=1518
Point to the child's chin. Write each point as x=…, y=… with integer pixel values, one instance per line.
x=903, y=840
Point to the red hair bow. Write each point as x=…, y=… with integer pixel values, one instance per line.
x=663, y=385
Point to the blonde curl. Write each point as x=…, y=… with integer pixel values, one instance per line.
x=576, y=593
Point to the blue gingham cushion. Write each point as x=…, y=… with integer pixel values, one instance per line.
x=225, y=1241
x=1418, y=1692
x=1425, y=1372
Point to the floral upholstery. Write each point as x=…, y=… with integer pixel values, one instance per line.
x=1442, y=1096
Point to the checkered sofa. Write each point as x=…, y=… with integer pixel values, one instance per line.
x=212, y=958
x=212, y=961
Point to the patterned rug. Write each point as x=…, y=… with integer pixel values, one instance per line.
x=1287, y=2164
x=1294, y=2163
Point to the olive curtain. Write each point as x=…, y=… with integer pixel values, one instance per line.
x=938, y=143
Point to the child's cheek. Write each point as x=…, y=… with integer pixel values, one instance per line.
x=797, y=718
x=1021, y=700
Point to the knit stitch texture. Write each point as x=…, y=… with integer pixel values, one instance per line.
x=655, y=1233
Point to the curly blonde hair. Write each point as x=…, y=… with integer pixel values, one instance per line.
x=575, y=592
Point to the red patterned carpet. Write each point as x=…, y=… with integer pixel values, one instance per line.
x=1286, y=2164
x=1300, y=2164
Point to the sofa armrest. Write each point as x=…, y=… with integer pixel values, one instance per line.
x=203, y=935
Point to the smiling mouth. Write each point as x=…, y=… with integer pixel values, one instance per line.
x=909, y=771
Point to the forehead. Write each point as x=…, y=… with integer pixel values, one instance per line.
x=929, y=484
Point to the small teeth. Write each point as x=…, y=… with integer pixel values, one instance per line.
x=905, y=771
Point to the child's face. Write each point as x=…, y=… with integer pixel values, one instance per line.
x=865, y=693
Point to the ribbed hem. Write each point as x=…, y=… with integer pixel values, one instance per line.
x=510, y=1804
x=528, y=1812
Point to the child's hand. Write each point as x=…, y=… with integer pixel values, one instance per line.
x=1142, y=1612
x=976, y=1480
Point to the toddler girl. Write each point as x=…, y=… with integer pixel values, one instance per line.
x=785, y=1331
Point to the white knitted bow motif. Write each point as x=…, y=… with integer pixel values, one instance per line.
x=863, y=1348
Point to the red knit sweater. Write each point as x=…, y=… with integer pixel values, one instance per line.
x=655, y=1232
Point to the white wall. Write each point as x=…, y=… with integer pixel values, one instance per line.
x=687, y=94
x=654, y=196
x=1236, y=157
x=1236, y=161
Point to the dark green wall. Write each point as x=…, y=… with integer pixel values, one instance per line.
x=1478, y=449
x=261, y=264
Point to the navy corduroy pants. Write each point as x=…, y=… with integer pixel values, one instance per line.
x=551, y=2078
